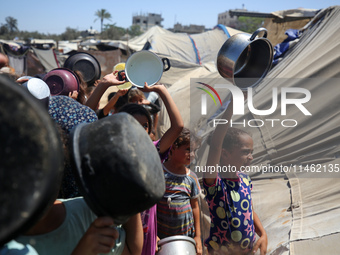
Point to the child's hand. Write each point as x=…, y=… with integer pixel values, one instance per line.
x=157, y=248
x=262, y=243
x=198, y=245
x=122, y=92
x=73, y=94
x=96, y=83
x=145, y=102
x=111, y=80
x=99, y=238
x=147, y=88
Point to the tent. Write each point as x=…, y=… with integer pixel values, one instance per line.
x=298, y=200
x=30, y=60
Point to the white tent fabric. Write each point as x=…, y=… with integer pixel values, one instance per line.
x=138, y=43
x=299, y=209
x=197, y=48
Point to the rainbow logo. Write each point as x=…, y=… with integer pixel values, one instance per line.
x=209, y=93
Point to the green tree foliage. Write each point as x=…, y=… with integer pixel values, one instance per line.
x=70, y=34
x=135, y=30
x=112, y=32
x=102, y=14
x=12, y=24
x=4, y=32
x=249, y=24
x=9, y=31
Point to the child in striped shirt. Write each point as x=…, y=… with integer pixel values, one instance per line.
x=178, y=211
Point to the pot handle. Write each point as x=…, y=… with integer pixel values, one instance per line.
x=167, y=64
x=261, y=29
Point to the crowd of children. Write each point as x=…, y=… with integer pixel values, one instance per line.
x=234, y=223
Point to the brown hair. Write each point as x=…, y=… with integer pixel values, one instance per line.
x=186, y=137
x=135, y=92
x=82, y=88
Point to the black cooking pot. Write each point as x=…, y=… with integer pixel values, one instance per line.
x=31, y=160
x=85, y=63
x=118, y=168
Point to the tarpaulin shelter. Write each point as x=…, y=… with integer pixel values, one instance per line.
x=298, y=208
x=30, y=60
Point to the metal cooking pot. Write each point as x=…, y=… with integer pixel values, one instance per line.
x=145, y=66
x=118, y=169
x=61, y=81
x=31, y=160
x=85, y=63
x=245, y=59
x=175, y=245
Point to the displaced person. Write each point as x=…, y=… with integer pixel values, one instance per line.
x=68, y=113
x=69, y=226
x=233, y=219
x=149, y=217
x=178, y=212
x=115, y=101
x=49, y=226
x=100, y=87
x=137, y=96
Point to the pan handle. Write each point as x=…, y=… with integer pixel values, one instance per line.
x=167, y=64
x=261, y=29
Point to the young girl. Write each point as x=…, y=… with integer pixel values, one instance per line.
x=137, y=96
x=233, y=220
x=149, y=217
x=178, y=212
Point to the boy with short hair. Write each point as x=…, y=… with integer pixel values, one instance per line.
x=233, y=220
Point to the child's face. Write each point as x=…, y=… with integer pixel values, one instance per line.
x=137, y=100
x=181, y=154
x=240, y=155
x=143, y=120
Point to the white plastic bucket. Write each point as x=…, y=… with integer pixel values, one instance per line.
x=145, y=66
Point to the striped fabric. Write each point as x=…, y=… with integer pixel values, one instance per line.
x=174, y=212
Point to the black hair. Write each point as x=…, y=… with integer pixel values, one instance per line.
x=232, y=138
x=136, y=109
x=122, y=100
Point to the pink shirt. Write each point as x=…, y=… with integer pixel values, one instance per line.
x=149, y=220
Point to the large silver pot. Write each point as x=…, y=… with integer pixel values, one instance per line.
x=175, y=245
x=245, y=59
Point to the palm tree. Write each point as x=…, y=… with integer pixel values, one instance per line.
x=12, y=24
x=102, y=14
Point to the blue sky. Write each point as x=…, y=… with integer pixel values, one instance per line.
x=52, y=17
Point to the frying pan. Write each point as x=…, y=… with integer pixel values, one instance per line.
x=32, y=160
x=61, y=81
x=85, y=63
x=118, y=168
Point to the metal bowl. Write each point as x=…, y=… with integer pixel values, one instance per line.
x=175, y=245
x=61, y=81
